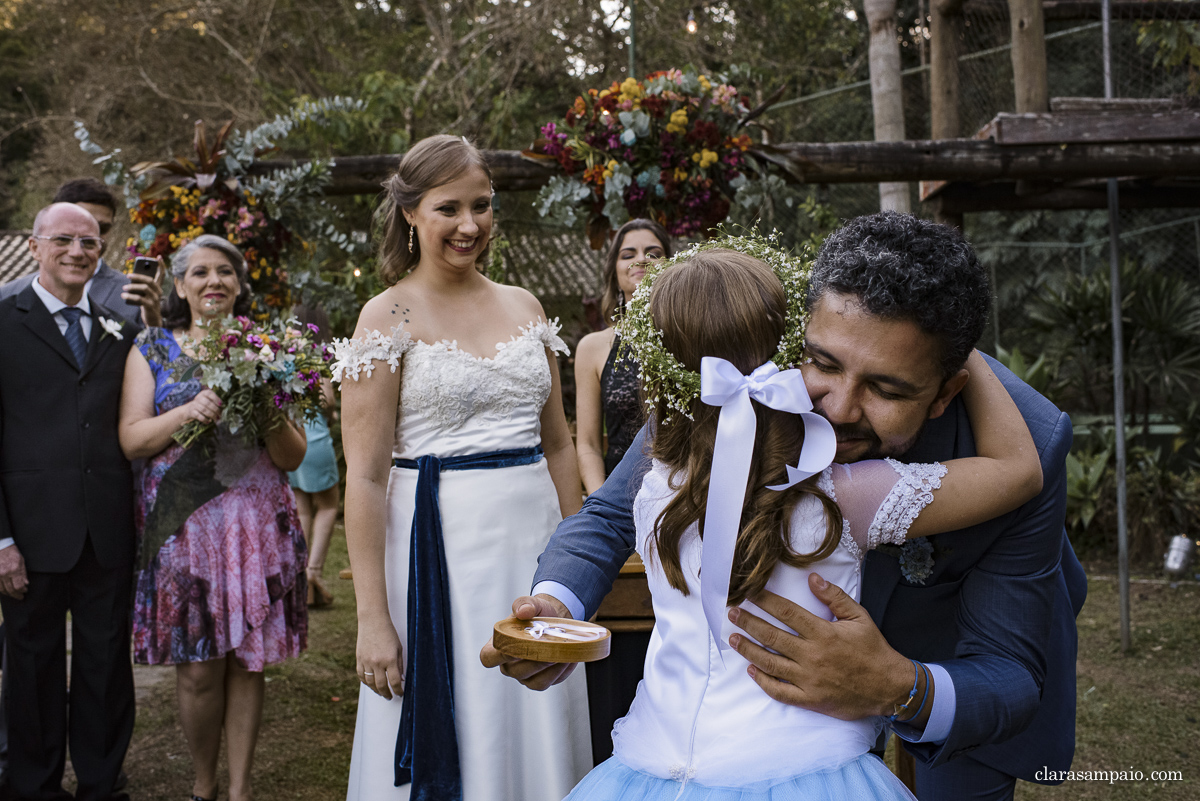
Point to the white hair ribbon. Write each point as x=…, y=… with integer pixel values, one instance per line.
x=722, y=384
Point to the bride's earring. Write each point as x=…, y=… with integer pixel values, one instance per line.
x=410, y=238
x=621, y=301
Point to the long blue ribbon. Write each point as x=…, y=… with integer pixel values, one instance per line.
x=426, y=745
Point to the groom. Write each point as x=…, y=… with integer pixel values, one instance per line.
x=896, y=305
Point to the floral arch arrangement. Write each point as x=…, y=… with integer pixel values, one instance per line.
x=278, y=220
x=670, y=148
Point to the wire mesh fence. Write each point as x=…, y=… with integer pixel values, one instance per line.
x=1026, y=251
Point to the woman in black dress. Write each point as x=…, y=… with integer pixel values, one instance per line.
x=606, y=388
x=607, y=401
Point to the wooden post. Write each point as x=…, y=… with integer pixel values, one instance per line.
x=886, y=98
x=945, y=35
x=1030, y=83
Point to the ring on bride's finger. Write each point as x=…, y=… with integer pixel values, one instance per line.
x=368, y=673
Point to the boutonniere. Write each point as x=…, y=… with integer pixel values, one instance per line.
x=112, y=328
x=916, y=559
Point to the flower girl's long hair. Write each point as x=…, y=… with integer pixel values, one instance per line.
x=730, y=305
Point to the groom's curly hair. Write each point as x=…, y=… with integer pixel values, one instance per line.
x=902, y=267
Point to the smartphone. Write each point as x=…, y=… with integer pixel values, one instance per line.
x=144, y=265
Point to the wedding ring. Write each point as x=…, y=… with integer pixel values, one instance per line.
x=368, y=673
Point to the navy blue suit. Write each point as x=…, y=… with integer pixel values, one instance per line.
x=998, y=612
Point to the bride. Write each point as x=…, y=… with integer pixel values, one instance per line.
x=459, y=466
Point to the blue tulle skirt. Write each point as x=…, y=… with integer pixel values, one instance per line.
x=865, y=778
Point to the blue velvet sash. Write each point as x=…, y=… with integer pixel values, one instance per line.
x=426, y=746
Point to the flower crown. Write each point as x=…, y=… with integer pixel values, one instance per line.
x=663, y=376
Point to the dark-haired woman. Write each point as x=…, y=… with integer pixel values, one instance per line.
x=220, y=590
x=459, y=463
x=608, y=402
x=606, y=388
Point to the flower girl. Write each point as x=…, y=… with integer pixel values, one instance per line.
x=724, y=513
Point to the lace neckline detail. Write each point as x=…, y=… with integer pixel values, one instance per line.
x=535, y=329
x=359, y=355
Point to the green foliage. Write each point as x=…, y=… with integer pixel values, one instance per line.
x=1175, y=44
x=1036, y=375
x=20, y=102
x=1161, y=500
x=1086, y=473
x=1161, y=326
x=495, y=268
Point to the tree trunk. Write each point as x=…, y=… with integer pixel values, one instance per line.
x=887, y=99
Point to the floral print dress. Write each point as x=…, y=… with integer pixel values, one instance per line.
x=222, y=552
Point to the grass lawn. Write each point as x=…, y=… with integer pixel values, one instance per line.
x=1137, y=712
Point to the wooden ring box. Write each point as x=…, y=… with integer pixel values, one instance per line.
x=510, y=638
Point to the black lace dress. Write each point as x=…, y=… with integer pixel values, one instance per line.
x=620, y=404
x=612, y=682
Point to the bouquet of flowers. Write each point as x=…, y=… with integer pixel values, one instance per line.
x=667, y=148
x=262, y=376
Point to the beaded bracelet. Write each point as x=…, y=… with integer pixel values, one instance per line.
x=900, y=709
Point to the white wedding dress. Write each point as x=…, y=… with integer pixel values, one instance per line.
x=495, y=524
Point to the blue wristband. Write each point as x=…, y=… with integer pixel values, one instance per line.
x=902, y=708
x=924, y=697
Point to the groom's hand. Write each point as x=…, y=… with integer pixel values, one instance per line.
x=534, y=675
x=843, y=668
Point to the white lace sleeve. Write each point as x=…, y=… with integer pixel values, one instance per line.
x=547, y=334
x=911, y=493
x=355, y=356
x=826, y=483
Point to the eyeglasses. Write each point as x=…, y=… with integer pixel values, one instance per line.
x=89, y=244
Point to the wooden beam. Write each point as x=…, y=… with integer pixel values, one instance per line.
x=970, y=197
x=1031, y=85
x=1075, y=10
x=1092, y=105
x=973, y=160
x=1025, y=129
x=364, y=175
x=850, y=162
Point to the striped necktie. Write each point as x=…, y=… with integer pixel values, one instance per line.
x=74, y=333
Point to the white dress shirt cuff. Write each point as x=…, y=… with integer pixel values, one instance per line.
x=941, y=717
x=7, y=541
x=563, y=594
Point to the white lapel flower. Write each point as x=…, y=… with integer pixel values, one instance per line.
x=112, y=328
